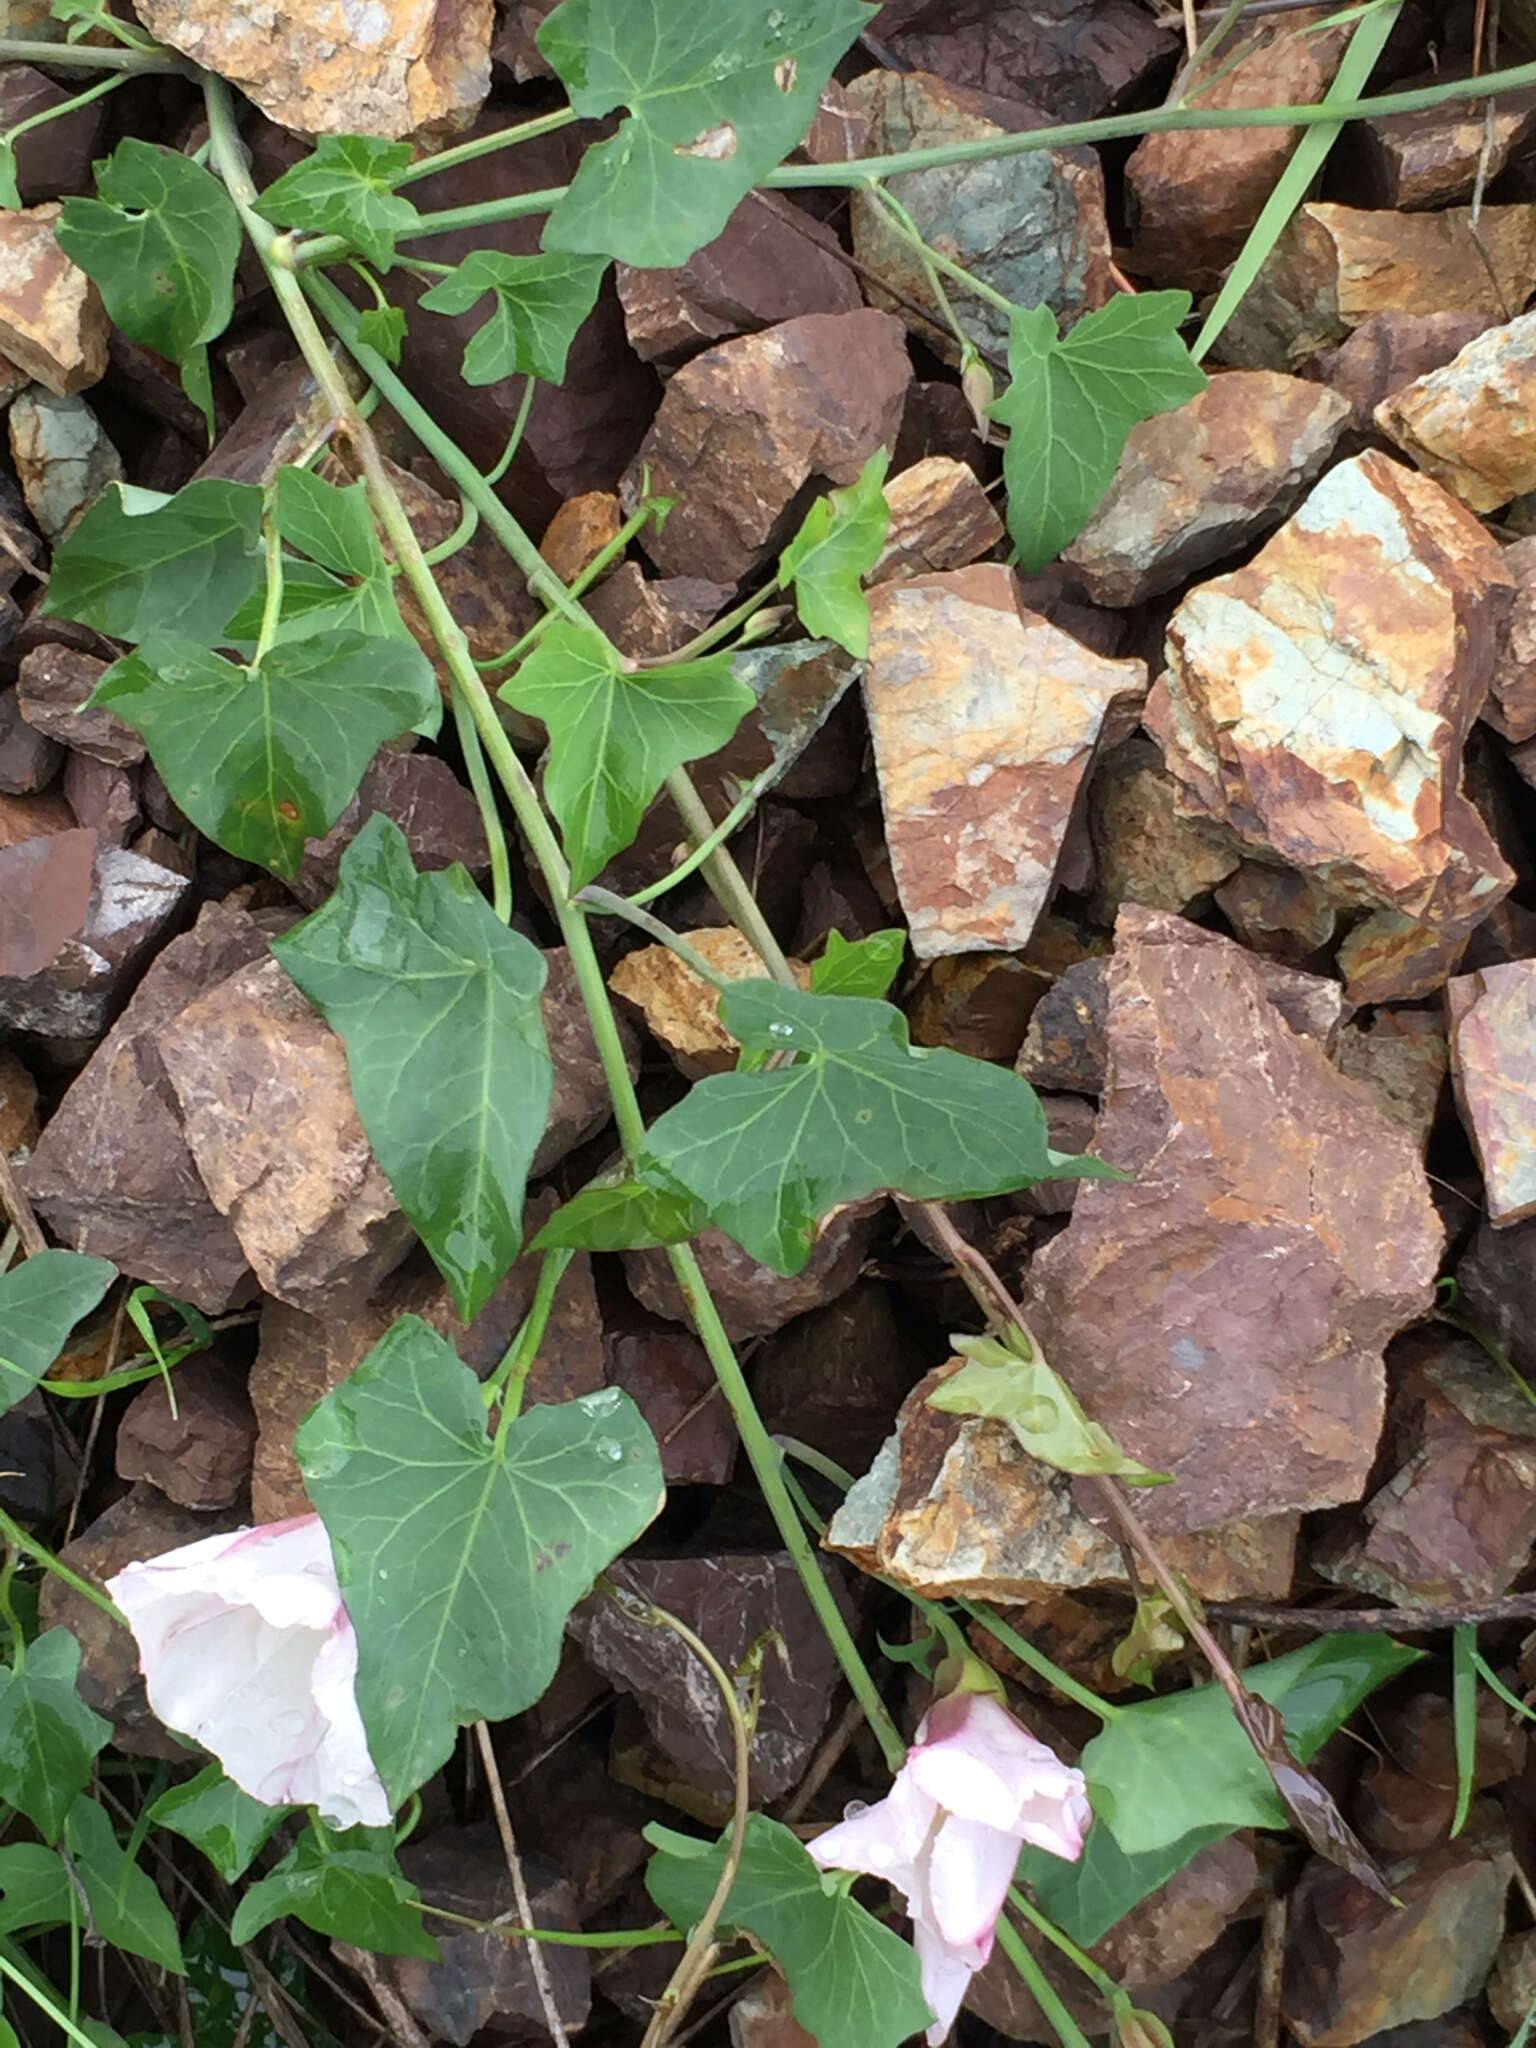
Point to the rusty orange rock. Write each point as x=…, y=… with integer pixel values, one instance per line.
x=1493, y=1064
x=1471, y=424
x=52, y=322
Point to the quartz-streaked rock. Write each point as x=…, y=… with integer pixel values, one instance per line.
x=1470, y=424
x=52, y=322
x=62, y=456
x=1390, y=350
x=1223, y=1312
x=745, y=426
x=326, y=68
x=986, y=720
x=1332, y=267
x=1386, y=586
x=1203, y=480
x=941, y=518
x=52, y=685
x=1493, y=1064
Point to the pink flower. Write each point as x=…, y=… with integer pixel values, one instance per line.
x=246, y=1647
x=975, y=1786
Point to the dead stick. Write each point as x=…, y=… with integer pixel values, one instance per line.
x=19, y=1209
x=1367, y=1620
x=536, y=1962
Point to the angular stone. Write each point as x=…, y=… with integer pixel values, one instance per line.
x=1205, y=479
x=1334, y=266
x=1066, y=1044
x=579, y=531
x=52, y=322
x=76, y=919
x=667, y=1374
x=300, y=1359
x=438, y=815
x=1276, y=911
x=1436, y=156
x=579, y=1106
x=986, y=720
x=834, y=1378
x=1493, y=1047
x=1402, y=1057
x=200, y=1457
x=771, y=262
x=106, y=800
x=62, y=456
x=1032, y=226
x=646, y=617
x=1385, y=582
x=941, y=518
x=29, y=760
x=19, y=1126
x=1194, y=194
x=976, y=1003
x=680, y=1008
x=1392, y=958
x=764, y=2016
x=329, y=70
x=752, y=1299
x=1356, y=1965
x=747, y=425
x=52, y=685
x=1466, y=424
x=1512, y=1987
x=1511, y=704
x=1307, y=1237
x=1073, y=58
x=279, y=424
x=261, y=1082
x=112, y=1173
x=1455, y=1520
x=731, y=1601
x=142, y=1524
x=1144, y=849
x=55, y=157
x=1390, y=350
x=1497, y=1279
x=952, y=1507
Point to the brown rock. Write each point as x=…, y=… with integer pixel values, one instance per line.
x=1195, y=193
x=1436, y=156
x=1418, y=1727
x=200, y=1457
x=1493, y=1038
x=579, y=531
x=1356, y=1965
x=142, y=1524
x=1031, y=226
x=976, y=1003
x=76, y=920
x=112, y=1174
x=748, y=424
x=52, y=685
x=438, y=815
x=1497, y=1278
x=1456, y=1519
x=1144, y=849
x=680, y=1008
x=764, y=2017
x=1073, y=58
x=1398, y=1814
x=753, y=1300
x=953, y=1508
x=645, y=617
x=1512, y=1987
x=52, y=322
x=834, y=1378
x=580, y=1105
x=62, y=456
x=1066, y=1044
x=407, y=65
x=261, y=1082
x=1334, y=266
x=280, y=424
x=29, y=760
x=106, y=800
x=667, y=1374
x=986, y=720
x=18, y=1105
x=941, y=518
x=732, y=1601
x=771, y=262
x=1465, y=424
x=1306, y=1234
x=1361, y=787
x=1276, y=911
x=55, y=157
x=1402, y=1057
x=1205, y=479
x=1390, y=956
x=1390, y=350
x=1511, y=704
x=301, y=1359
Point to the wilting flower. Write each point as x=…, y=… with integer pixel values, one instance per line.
x=975, y=1786
x=246, y=1647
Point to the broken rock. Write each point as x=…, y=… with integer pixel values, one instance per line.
x=680, y=1008
x=438, y=815
x=52, y=322
x=62, y=456
x=106, y=799
x=1511, y=704
x=1437, y=155
x=28, y=759
x=941, y=518
x=1072, y=58
x=1493, y=1044
x=1144, y=849
x=199, y=1457
x=1205, y=479
x=1402, y=1056
x=752, y=1299
x=1276, y=911
x=52, y=685
x=1469, y=424
x=748, y=424
x=1388, y=586
x=1249, y=1363
x=1390, y=350
x=986, y=719
x=579, y=532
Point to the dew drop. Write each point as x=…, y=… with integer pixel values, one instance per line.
x=289, y=1722
x=603, y=1402
x=782, y=1030
x=608, y=1447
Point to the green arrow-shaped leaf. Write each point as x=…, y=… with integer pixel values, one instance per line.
x=854, y=1982
x=263, y=758
x=1072, y=400
x=329, y=522
x=343, y=188
x=719, y=91
x=41, y=1300
x=214, y=1815
x=438, y=1002
x=615, y=735
x=459, y=1559
x=859, y=967
x=125, y=1903
x=184, y=567
x=538, y=304
x=624, y=1215
x=161, y=240
x=769, y=1153
x=357, y=1895
x=48, y=1735
x=838, y=543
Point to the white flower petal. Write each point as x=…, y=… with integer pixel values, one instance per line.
x=885, y=1840
x=946, y=1976
x=1058, y=1824
x=976, y=1760
x=970, y=1868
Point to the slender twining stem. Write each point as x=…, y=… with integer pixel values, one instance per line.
x=726, y=879
x=718, y=630
x=38, y=1996
x=604, y=900
x=733, y=820
x=93, y=57
x=12, y=1532
x=1046, y=1996
x=272, y=604
x=81, y=99
x=536, y=1963
x=507, y=1383
x=483, y=145
x=934, y=261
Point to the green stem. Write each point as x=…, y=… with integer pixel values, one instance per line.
x=92, y=56
x=610, y=905
x=485, y=798
x=558, y=1937
x=734, y=818
x=483, y=145
x=1099, y=1977
x=933, y=261
x=608, y=553
x=712, y=635
x=13, y=1532
x=507, y=1383
x=81, y=99
x=272, y=604
x=1037, y=1660
x=469, y=515
x=40, y=1998
x=1046, y=1996
x=727, y=880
